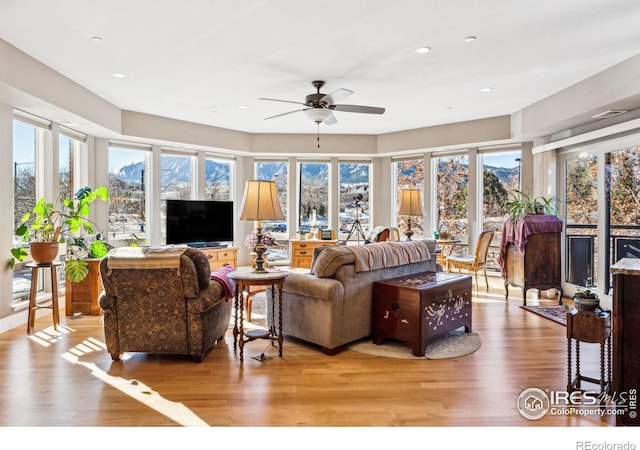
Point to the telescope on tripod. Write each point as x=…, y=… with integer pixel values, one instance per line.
x=356, y=227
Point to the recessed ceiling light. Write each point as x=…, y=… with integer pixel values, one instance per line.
x=96, y=39
x=486, y=89
x=421, y=50
x=470, y=39
x=244, y=107
x=119, y=75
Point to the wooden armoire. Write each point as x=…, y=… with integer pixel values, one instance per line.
x=530, y=254
x=626, y=339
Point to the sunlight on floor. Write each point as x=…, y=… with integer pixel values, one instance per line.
x=50, y=336
x=133, y=388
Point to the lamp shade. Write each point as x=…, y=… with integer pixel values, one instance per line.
x=410, y=204
x=260, y=201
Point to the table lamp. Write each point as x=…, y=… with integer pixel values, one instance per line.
x=410, y=205
x=260, y=202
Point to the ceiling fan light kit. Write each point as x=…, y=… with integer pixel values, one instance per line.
x=318, y=115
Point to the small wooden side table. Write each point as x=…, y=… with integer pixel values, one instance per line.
x=33, y=304
x=593, y=327
x=446, y=249
x=244, y=279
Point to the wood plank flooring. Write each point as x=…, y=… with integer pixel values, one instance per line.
x=66, y=378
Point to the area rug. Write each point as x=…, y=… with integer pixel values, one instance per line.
x=555, y=313
x=456, y=343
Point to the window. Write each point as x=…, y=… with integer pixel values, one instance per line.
x=623, y=186
x=500, y=175
x=127, y=193
x=276, y=171
x=581, y=213
x=452, y=190
x=217, y=179
x=25, y=141
x=176, y=175
x=409, y=175
x=66, y=149
x=314, y=196
x=354, y=200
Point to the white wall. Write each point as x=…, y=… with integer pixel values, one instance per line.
x=6, y=220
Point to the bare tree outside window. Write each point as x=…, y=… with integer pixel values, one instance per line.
x=217, y=179
x=452, y=195
x=409, y=175
x=314, y=194
x=24, y=195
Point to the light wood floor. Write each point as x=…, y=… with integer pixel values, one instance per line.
x=66, y=378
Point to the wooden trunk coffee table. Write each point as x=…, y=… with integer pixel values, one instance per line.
x=418, y=309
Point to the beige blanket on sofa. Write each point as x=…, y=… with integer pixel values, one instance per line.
x=388, y=254
x=145, y=258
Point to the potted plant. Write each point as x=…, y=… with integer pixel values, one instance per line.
x=521, y=204
x=586, y=300
x=62, y=221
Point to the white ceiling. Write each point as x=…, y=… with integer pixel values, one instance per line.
x=200, y=60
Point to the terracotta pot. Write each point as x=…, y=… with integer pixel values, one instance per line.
x=44, y=252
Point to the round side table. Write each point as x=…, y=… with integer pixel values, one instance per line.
x=244, y=279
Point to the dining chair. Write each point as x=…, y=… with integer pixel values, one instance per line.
x=476, y=261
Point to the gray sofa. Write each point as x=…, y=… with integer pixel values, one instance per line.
x=331, y=306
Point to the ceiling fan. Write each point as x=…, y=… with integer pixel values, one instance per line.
x=319, y=107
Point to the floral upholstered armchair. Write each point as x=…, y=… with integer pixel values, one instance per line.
x=162, y=301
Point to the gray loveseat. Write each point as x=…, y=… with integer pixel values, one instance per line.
x=331, y=306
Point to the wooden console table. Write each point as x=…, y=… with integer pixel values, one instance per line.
x=302, y=250
x=219, y=257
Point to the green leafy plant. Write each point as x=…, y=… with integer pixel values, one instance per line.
x=587, y=294
x=521, y=203
x=65, y=221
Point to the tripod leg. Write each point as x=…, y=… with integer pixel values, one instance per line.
x=356, y=227
x=361, y=232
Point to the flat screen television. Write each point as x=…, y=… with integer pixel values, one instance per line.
x=199, y=223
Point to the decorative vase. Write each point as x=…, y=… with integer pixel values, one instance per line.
x=44, y=252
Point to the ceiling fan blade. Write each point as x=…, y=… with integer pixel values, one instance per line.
x=358, y=109
x=287, y=113
x=336, y=96
x=284, y=101
x=331, y=120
